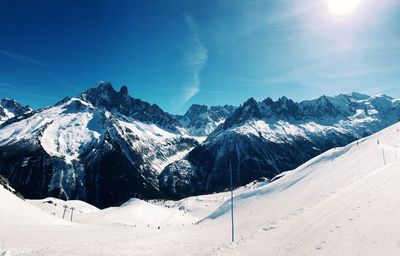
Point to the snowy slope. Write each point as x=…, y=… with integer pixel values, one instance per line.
x=139, y=213
x=202, y=206
x=159, y=147
x=91, y=149
x=262, y=139
x=343, y=202
x=62, y=132
x=15, y=211
x=10, y=108
x=55, y=207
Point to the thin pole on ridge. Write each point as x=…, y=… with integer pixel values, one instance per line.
x=384, y=158
x=65, y=209
x=232, y=219
x=72, y=212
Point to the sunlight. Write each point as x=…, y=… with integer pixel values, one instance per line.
x=343, y=7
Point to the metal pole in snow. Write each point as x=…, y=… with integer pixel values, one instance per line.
x=233, y=226
x=65, y=209
x=72, y=212
x=384, y=158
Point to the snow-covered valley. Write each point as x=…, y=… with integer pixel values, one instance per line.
x=343, y=202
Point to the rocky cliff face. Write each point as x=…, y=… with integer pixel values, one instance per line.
x=104, y=147
x=262, y=139
x=201, y=120
x=10, y=108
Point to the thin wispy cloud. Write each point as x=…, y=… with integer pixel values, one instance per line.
x=63, y=80
x=44, y=67
x=8, y=88
x=25, y=59
x=41, y=67
x=196, y=58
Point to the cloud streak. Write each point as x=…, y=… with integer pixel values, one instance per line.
x=8, y=88
x=44, y=67
x=24, y=59
x=196, y=58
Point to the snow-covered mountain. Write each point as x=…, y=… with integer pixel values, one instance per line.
x=201, y=120
x=342, y=202
x=103, y=147
x=10, y=108
x=262, y=139
x=106, y=98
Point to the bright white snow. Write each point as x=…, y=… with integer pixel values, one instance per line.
x=343, y=202
x=157, y=145
x=55, y=207
x=64, y=131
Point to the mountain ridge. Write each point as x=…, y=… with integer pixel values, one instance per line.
x=105, y=146
x=268, y=137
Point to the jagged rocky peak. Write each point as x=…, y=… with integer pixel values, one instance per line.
x=262, y=139
x=105, y=96
x=195, y=111
x=221, y=112
x=322, y=107
x=359, y=96
x=13, y=105
x=10, y=108
x=201, y=120
x=341, y=106
x=249, y=110
x=102, y=146
x=124, y=91
x=215, y=113
x=288, y=108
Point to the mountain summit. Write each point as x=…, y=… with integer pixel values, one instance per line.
x=10, y=108
x=262, y=139
x=105, y=147
x=104, y=96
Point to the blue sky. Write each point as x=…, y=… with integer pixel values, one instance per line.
x=175, y=53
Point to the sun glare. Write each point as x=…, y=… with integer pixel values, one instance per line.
x=343, y=7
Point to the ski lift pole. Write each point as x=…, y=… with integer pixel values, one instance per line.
x=72, y=212
x=233, y=225
x=65, y=209
x=383, y=154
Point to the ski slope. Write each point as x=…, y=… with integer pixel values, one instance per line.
x=343, y=202
x=137, y=212
x=55, y=206
x=17, y=212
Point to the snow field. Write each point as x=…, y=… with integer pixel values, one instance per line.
x=343, y=202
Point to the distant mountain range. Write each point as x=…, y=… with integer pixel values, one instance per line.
x=105, y=147
x=262, y=139
x=10, y=108
x=201, y=120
